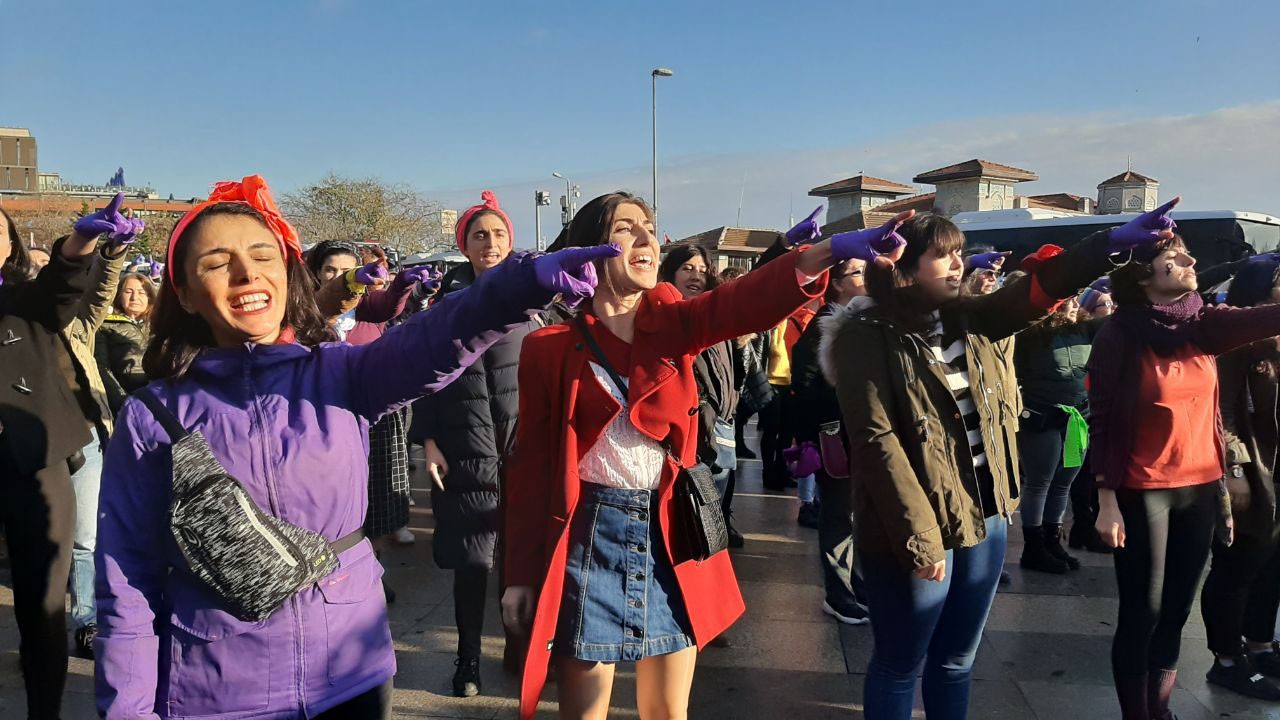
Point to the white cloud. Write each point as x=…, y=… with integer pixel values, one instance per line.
x=1225, y=159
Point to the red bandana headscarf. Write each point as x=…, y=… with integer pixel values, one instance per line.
x=251, y=191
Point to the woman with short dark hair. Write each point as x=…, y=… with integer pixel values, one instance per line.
x=1159, y=456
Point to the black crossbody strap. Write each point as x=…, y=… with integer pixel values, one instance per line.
x=599, y=353
x=162, y=415
x=617, y=379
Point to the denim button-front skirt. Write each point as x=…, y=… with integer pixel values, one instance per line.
x=621, y=601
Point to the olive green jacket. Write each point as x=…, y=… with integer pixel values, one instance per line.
x=80, y=335
x=915, y=490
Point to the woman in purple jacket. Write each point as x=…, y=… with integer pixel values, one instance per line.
x=240, y=354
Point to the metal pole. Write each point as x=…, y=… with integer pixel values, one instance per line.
x=537, y=223
x=653, y=79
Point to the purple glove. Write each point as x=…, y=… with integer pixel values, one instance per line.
x=425, y=274
x=868, y=244
x=1143, y=231
x=1265, y=257
x=157, y=270
x=802, y=461
x=805, y=231
x=988, y=260
x=1102, y=285
x=572, y=272
x=120, y=230
x=371, y=273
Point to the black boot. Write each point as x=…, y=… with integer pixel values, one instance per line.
x=1053, y=543
x=1035, y=556
x=466, y=681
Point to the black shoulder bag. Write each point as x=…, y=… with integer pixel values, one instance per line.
x=252, y=561
x=697, y=514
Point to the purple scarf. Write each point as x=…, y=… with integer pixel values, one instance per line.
x=1163, y=328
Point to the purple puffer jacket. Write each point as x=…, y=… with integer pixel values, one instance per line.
x=291, y=424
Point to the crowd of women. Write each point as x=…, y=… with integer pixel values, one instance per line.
x=212, y=452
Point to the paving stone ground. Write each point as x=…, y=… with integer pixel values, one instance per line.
x=1044, y=656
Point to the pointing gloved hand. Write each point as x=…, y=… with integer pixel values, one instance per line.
x=869, y=244
x=1144, y=231
x=805, y=231
x=373, y=274
x=572, y=272
x=428, y=276
x=988, y=260
x=119, y=229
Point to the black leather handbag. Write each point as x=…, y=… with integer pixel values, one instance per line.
x=697, y=513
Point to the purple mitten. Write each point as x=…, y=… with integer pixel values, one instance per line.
x=571, y=272
x=803, y=460
x=867, y=245
x=1143, y=231
x=371, y=273
x=120, y=230
x=805, y=231
x=988, y=260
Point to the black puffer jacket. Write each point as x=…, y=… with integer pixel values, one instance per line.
x=473, y=422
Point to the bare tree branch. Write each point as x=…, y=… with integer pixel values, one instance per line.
x=367, y=209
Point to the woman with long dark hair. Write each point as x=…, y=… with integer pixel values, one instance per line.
x=932, y=447
x=123, y=337
x=42, y=426
x=608, y=407
x=1159, y=455
x=244, y=368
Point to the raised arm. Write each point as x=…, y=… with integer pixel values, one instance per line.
x=757, y=301
x=53, y=297
x=104, y=280
x=379, y=306
x=434, y=347
x=1222, y=328
x=132, y=532
x=1233, y=376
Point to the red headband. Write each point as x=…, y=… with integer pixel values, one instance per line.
x=251, y=191
x=489, y=202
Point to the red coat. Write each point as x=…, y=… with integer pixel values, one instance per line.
x=564, y=410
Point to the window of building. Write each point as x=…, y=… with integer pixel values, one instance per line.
x=1113, y=203
x=1135, y=203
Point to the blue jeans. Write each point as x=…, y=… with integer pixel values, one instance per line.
x=938, y=623
x=85, y=483
x=1046, y=482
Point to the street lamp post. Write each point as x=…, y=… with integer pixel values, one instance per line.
x=567, y=205
x=653, y=78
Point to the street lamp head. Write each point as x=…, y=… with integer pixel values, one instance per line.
x=558, y=175
x=663, y=72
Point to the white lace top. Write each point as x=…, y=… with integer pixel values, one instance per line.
x=623, y=457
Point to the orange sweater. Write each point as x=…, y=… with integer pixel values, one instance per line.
x=1175, y=443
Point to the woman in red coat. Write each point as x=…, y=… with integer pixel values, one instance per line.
x=594, y=570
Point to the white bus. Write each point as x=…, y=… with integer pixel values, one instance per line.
x=1212, y=236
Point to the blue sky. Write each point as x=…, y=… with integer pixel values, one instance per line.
x=768, y=100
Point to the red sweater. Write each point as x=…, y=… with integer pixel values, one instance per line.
x=1177, y=410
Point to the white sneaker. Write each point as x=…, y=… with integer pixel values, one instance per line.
x=857, y=615
x=404, y=536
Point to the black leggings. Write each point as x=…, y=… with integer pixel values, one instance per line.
x=1167, y=539
x=1242, y=593
x=372, y=705
x=775, y=436
x=39, y=515
x=470, y=584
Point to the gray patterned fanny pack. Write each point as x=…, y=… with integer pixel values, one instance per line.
x=253, y=562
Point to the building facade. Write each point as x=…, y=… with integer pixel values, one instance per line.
x=19, y=166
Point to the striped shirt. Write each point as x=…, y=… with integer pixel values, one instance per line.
x=952, y=357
